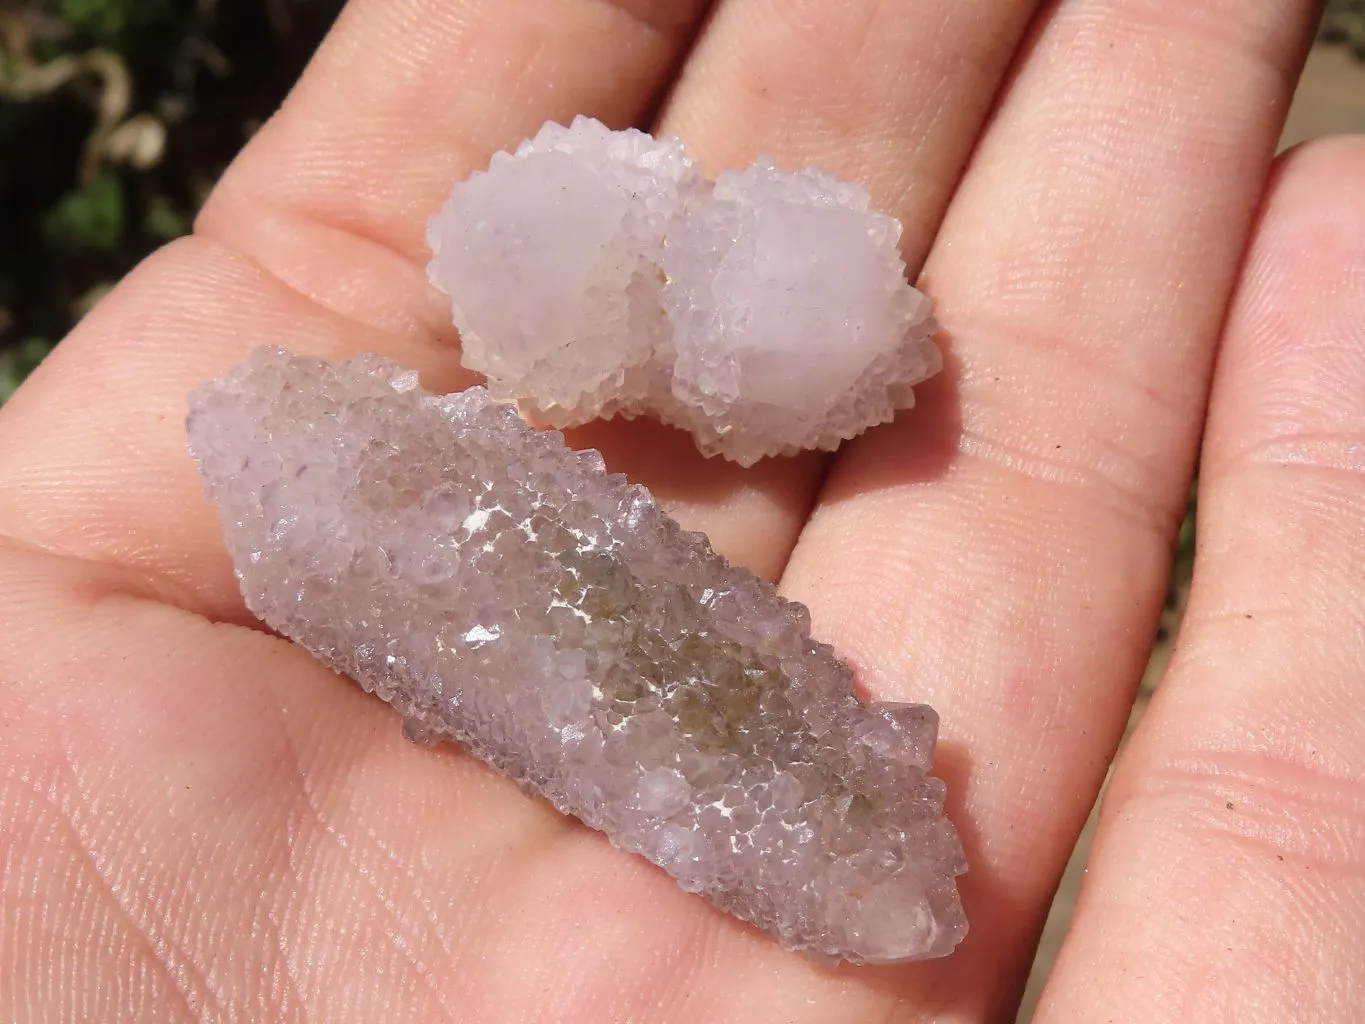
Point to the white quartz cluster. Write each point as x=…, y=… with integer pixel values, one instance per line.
x=594, y=273
x=507, y=593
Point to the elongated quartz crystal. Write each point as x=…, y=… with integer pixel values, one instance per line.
x=594, y=273
x=507, y=593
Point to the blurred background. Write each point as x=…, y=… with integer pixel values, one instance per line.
x=117, y=116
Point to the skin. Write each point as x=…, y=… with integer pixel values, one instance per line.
x=198, y=823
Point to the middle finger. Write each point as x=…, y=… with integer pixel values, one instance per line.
x=884, y=92
x=888, y=93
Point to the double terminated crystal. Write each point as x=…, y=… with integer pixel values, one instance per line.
x=595, y=272
x=507, y=593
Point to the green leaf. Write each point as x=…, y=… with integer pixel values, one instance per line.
x=92, y=218
x=106, y=20
x=101, y=18
x=1184, y=550
x=164, y=221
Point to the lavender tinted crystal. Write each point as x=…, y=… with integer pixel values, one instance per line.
x=508, y=594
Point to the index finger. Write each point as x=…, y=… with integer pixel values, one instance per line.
x=311, y=241
x=406, y=97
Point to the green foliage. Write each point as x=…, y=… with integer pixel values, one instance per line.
x=92, y=218
x=1184, y=551
x=18, y=361
x=164, y=221
x=109, y=19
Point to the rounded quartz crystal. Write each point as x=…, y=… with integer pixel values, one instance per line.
x=793, y=324
x=594, y=273
x=550, y=259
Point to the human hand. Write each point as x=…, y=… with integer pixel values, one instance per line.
x=198, y=822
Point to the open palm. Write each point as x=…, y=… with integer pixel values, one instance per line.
x=197, y=822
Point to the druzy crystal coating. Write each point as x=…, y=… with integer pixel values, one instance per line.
x=595, y=273
x=507, y=593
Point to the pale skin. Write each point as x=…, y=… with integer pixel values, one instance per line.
x=199, y=823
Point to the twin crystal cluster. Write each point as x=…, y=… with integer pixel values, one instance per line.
x=595, y=273
x=507, y=593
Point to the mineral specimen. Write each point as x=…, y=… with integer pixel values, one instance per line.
x=553, y=258
x=507, y=593
x=595, y=272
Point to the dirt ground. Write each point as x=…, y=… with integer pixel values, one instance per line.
x=1330, y=100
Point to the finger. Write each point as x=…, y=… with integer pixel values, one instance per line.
x=1003, y=550
x=405, y=98
x=1230, y=865
x=310, y=242
x=883, y=92
x=879, y=91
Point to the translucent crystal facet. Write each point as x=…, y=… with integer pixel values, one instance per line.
x=551, y=258
x=595, y=272
x=506, y=593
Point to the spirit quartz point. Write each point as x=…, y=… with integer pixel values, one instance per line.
x=594, y=273
x=508, y=594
